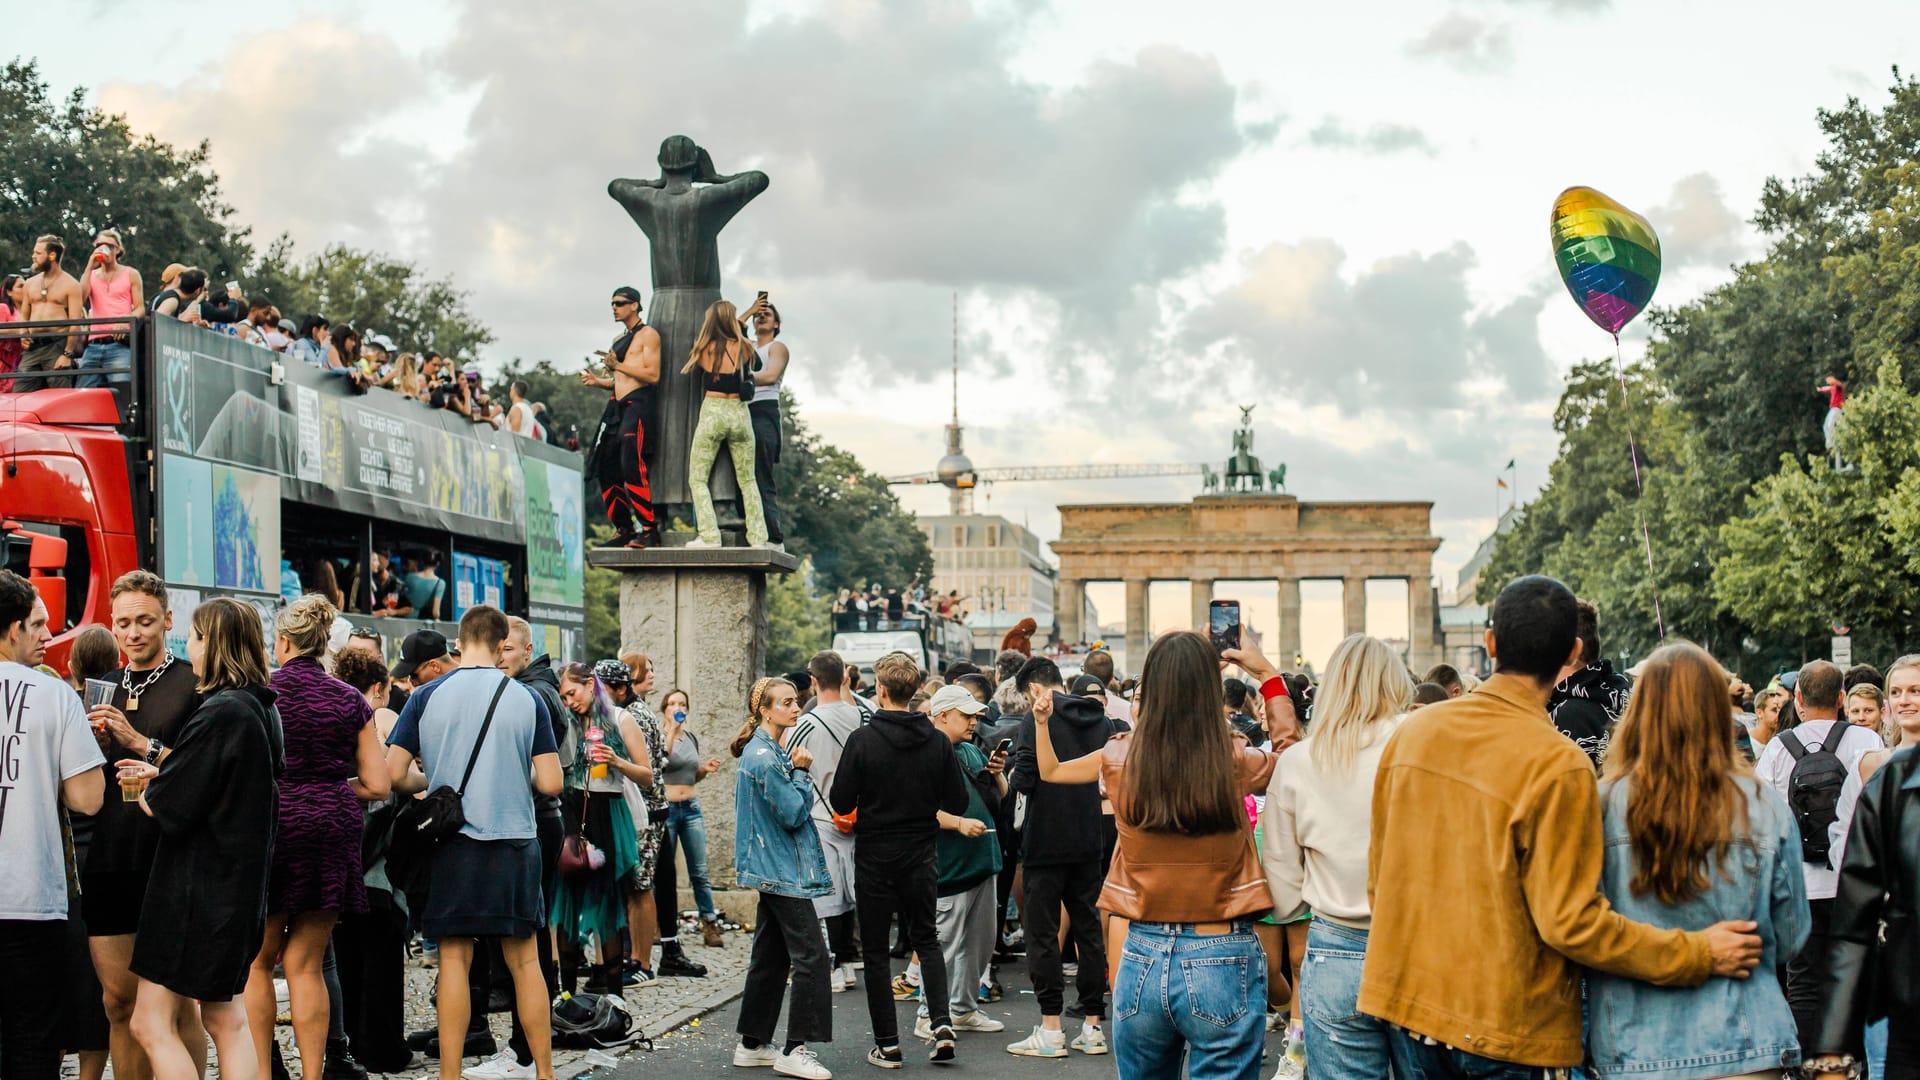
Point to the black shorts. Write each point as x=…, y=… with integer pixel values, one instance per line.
x=110, y=901
x=485, y=888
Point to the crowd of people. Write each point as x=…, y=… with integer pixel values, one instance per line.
x=99, y=355
x=1560, y=869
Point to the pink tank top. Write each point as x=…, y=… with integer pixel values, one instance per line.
x=107, y=298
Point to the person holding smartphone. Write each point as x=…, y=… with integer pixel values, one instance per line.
x=619, y=458
x=967, y=861
x=770, y=366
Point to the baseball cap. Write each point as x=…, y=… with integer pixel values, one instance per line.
x=954, y=697
x=613, y=673
x=1087, y=686
x=627, y=292
x=289, y=326
x=418, y=648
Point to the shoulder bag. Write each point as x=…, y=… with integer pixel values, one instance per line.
x=421, y=825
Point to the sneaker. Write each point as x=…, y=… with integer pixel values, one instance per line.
x=699, y=544
x=1069, y=969
x=1042, y=1043
x=501, y=1066
x=802, y=1063
x=885, y=1059
x=857, y=965
x=1290, y=1069
x=944, y=1045
x=977, y=1021
x=1091, y=1040
x=847, y=972
x=923, y=1028
x=638, y=978
x=905, y=990
x=761, y=1056
x=838, y=979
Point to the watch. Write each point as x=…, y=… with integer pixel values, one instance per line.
x=154, y=748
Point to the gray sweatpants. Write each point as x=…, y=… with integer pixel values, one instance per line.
x=967, y=928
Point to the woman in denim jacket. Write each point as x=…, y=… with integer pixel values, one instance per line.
x=777, y=851
x=1693, y=839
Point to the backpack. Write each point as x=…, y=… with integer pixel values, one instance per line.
x=593, y=1022
x=1813, y=788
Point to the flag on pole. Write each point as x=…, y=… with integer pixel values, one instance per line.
x=1502, y=482
x=1510, y=462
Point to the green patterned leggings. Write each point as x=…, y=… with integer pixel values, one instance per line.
x=724, y=421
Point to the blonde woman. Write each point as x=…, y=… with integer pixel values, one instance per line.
x=1313, y=846
x=720, y=352
x=405, y=376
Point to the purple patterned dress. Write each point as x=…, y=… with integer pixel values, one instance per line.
x=316, y=853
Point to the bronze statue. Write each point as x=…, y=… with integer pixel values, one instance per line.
x=682, y=212
x=1243, y=467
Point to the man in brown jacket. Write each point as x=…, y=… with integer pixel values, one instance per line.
x=1484, y=872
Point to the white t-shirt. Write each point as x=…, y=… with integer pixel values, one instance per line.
x=44, y=740
x=1776, y=767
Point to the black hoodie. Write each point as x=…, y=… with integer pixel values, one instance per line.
x=1587, y=706
x=898, y=772
x=1063, y=820
x=538, y=677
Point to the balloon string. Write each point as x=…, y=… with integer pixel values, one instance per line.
x=1639, y=489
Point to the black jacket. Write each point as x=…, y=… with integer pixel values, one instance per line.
x=1588, y=704
x=539, y=678
x=1063, y=823
x=898, y=772
x=1883, y=855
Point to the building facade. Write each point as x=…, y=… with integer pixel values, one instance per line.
x=998, y=568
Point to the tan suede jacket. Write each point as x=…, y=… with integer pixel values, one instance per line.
x=1484, y=877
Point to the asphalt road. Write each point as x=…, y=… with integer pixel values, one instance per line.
x=707, y=1050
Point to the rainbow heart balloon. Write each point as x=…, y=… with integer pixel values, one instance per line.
x=1608, y=255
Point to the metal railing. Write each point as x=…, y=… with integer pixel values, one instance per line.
x=127, y=391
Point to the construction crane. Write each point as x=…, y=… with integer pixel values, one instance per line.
x=956, y=473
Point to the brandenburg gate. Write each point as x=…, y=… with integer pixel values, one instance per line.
x=1242, y=535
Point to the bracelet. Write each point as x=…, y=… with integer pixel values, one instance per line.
x=1845, y=1064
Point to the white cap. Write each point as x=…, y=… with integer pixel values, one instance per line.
x=952, y=696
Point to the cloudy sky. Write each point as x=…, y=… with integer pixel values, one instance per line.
x=1150, y=212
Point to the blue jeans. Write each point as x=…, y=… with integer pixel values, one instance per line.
x=1416, y=1059
x=101, y=354
x=1341, y=1040
x=1181, y=991
x=1877, y=1049
x=687, y=827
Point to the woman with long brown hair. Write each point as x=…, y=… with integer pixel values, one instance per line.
x=1192, y=978
x=722, y=354
x=216, y=798
x=1693, y=838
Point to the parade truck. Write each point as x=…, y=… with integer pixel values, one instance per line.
x=934, y=641
x=230, y=470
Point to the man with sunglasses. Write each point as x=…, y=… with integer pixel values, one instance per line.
x=619, y=458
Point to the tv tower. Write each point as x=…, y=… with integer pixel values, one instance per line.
x=954, y=470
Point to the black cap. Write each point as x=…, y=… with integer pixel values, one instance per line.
x=1087, y=686
x=419, y=647
x=627, y=292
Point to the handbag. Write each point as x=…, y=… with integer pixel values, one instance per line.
x=422, y=824
x=577, y=853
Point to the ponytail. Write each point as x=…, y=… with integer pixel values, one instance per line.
x=755, y=699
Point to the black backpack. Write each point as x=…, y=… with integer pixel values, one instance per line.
x=1813, y=788
x=594, y=1022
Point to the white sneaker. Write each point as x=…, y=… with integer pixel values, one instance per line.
x=977, y=1021
x=838, y=979
x=1042, y=1044
x=801, y=1063
x=847, y=972
x=1290, y=1069
x=762, y=1057
x=1091, y=1040
x=923, y=1029
x=698, y=544
x=501, y=1066
x=1069, y=969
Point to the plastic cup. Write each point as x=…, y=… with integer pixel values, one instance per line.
x=130, y=790
x=100, y=692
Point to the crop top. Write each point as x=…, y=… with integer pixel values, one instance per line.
x=683, y=760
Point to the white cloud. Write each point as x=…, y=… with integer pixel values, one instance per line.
x=1697, y=228
x=1334, y=134
x=1465, y=42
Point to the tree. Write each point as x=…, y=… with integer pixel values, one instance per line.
x=372, y=291
x=842, y=517
x=71, y=170
x=571, y=407
x=797, y=621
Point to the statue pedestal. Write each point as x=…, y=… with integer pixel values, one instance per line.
x=701, y=616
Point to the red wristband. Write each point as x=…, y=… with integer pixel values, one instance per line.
x=1273, y=688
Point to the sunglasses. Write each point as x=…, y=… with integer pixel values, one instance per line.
x=624, y=303
x=365, y=635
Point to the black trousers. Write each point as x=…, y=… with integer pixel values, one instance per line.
x=786, y=938
x=34, y=956
x=372, y=953
x=626, y=491
x=766, y=454
x=1803, y=978
x=666, y=888
x=1077, y=886
x=898, y=878
x=1903, y=1052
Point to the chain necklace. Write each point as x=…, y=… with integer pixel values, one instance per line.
x=134, y=692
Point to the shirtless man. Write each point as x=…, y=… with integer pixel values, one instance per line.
x=52, y=294
x=111, y=290
x=634, y=361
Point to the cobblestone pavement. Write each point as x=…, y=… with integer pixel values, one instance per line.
x=668, y=1004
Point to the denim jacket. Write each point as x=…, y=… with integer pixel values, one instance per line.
x=1724, y=1027
x=775, y=846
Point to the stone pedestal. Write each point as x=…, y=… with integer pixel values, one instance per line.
x=701, y=616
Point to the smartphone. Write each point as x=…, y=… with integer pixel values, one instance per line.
x=1005, y=745
x=763, y=294
x=1223, y=624
x=233, y=286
